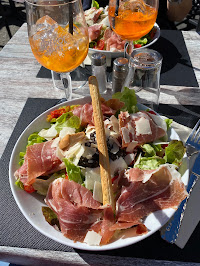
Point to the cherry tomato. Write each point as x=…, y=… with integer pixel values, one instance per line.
x=152, y=112
x=100, y=45
x=137, y=45
x=29, y=188
x=66, y=176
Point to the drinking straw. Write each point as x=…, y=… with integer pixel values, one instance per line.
x=70, y=17
x=116, y=8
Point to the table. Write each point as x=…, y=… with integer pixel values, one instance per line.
x=18, y=82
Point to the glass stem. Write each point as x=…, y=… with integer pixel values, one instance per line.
x=128, y=47
x=67, y=84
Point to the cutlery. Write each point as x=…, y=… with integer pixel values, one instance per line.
x=170, y=231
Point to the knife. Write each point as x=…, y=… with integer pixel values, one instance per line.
x=170, y=231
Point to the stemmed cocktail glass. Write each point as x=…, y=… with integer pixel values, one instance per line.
x=58, y=36
x=132, y=19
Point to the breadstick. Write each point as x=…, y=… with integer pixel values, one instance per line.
x=106, y=182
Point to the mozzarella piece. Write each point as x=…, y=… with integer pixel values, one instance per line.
x=97, y=192
x=66, y=131
x=91, y=175
x=142, y=127
x=125, y=134
x=92, y=238
x=48, y=134
x=117, y=165
x=159, y=121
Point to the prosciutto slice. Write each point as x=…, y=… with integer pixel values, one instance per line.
x=40, y=159
x=94, y=31
x=85, y=113
x=138, y=127
x=163, y=189
x=77, y=210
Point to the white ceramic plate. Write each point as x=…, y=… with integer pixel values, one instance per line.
x=30, y=204
x=119, y=54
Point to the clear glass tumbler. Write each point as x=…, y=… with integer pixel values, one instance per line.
x=144, y=76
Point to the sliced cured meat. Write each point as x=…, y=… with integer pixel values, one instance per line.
x=85, y=113
x=94, y=31
x=77, y=211
x=92, y=15
x=138, y=127
x=75, y=207
x=164, y=189
x=114, y=43
x=40, y=159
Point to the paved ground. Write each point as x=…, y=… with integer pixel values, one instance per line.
x=17, y=16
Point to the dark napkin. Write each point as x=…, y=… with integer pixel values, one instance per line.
x=176, y=66
x=17, y=232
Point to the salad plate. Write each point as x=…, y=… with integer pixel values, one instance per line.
x=110, y=54
x=31, y=204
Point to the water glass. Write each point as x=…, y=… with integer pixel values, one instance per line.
x=144, y=76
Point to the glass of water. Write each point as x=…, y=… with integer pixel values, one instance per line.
x=144, y=76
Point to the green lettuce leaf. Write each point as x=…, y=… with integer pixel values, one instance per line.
x=95, y=4
x=67, y=120
x=142, y=41
x=129, y=98
x=19, y=184
x=168, y=122
x=150, y=163
x=50, y=216
x=174, y=152
x=73, y=172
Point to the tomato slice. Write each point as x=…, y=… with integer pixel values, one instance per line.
x=29, y=188
x=152, y=112
x=137, y=45
x=100, y=45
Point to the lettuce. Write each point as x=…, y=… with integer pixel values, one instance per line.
x=168, y=122
x=19, y=184
x=67, y=120
x=150, y=163
x=50, y=216
x=95, y=4
x=73, y=172
x=142, y=41
x=174, y=152
x=129, y=98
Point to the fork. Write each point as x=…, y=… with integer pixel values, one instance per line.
x=170, y=231
x=192, y=143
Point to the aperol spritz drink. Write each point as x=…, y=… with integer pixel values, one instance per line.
x=58, y=36
x=132, y=19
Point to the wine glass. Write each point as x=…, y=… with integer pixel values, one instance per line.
x=58, y=36
x=132, y=19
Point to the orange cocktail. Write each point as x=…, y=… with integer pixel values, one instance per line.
x=131, y=23
x=55, y=48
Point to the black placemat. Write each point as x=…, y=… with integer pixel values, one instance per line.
x=176, y=66
x=17, y=232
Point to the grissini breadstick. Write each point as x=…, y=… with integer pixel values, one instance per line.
x=106, y=182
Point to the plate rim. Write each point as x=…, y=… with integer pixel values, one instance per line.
x=81, y=246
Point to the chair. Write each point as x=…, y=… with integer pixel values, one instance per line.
x=192, y=19
x=4, y=18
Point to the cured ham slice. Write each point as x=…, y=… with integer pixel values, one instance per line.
x=113, y=42
x=77, y=211
x=40, y=159
x=85, y=113
x=94, y=31
x=164, y=189
x=139, y=127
